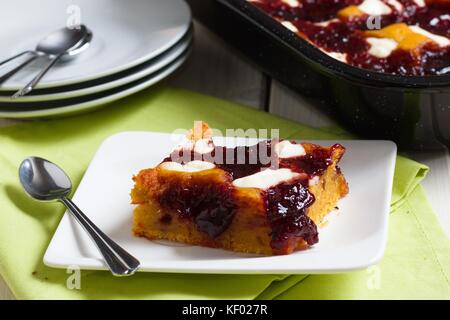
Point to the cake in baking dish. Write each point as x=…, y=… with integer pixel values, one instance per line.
x=235, y=198
x=401, y=37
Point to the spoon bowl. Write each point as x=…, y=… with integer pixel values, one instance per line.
x=82, y=46
x=55, y=46
x=45, y=181
x=62, y=41
x=62, y=44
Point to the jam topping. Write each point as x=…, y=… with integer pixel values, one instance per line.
x=246, y=160
x=342, y=28
x=238, y=162
x=211, y=205
x=286, y=206
x=311, y=10
x=313, y=163
x=434, y=18
x=166, y=219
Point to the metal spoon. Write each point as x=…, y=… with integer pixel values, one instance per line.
x=62, y=42
x=45, y=181
x=56, y=45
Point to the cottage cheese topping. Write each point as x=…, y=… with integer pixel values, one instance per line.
x=192, y=166
x=286, y=149
x=292, y=3
x=397, y=5
x=374, y=7
x=337, y=55
x=266, y=178
x=203, y=146
x=290, y=26
x=381, y=47
x=440, y=40
x=326, y=23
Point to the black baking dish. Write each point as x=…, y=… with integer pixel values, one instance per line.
x=413, y=111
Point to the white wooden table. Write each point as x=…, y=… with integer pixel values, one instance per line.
x=218, y=70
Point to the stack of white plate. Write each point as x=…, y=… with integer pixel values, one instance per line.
x=135, y=44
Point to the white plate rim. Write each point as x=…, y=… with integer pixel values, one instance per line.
x=161, y=62
x=142, y=59
x=91, y=104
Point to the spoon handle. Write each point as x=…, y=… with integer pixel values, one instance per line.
x=119, y=261
x=16, y=56
x=30, y=86
x=9, y=74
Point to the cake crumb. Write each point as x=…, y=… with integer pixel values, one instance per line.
x=201, y=130
x=323, y=224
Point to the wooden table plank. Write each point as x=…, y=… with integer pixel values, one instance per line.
x=437, y=183
x=291, y=105
x=215, y=69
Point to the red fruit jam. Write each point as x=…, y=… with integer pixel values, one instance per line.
x=345, y=34
x=211, y=206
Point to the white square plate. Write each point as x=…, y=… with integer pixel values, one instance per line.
x=354, y=238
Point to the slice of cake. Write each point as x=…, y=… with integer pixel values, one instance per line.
x=266, y=199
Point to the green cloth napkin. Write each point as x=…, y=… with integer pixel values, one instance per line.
x=416, y=264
